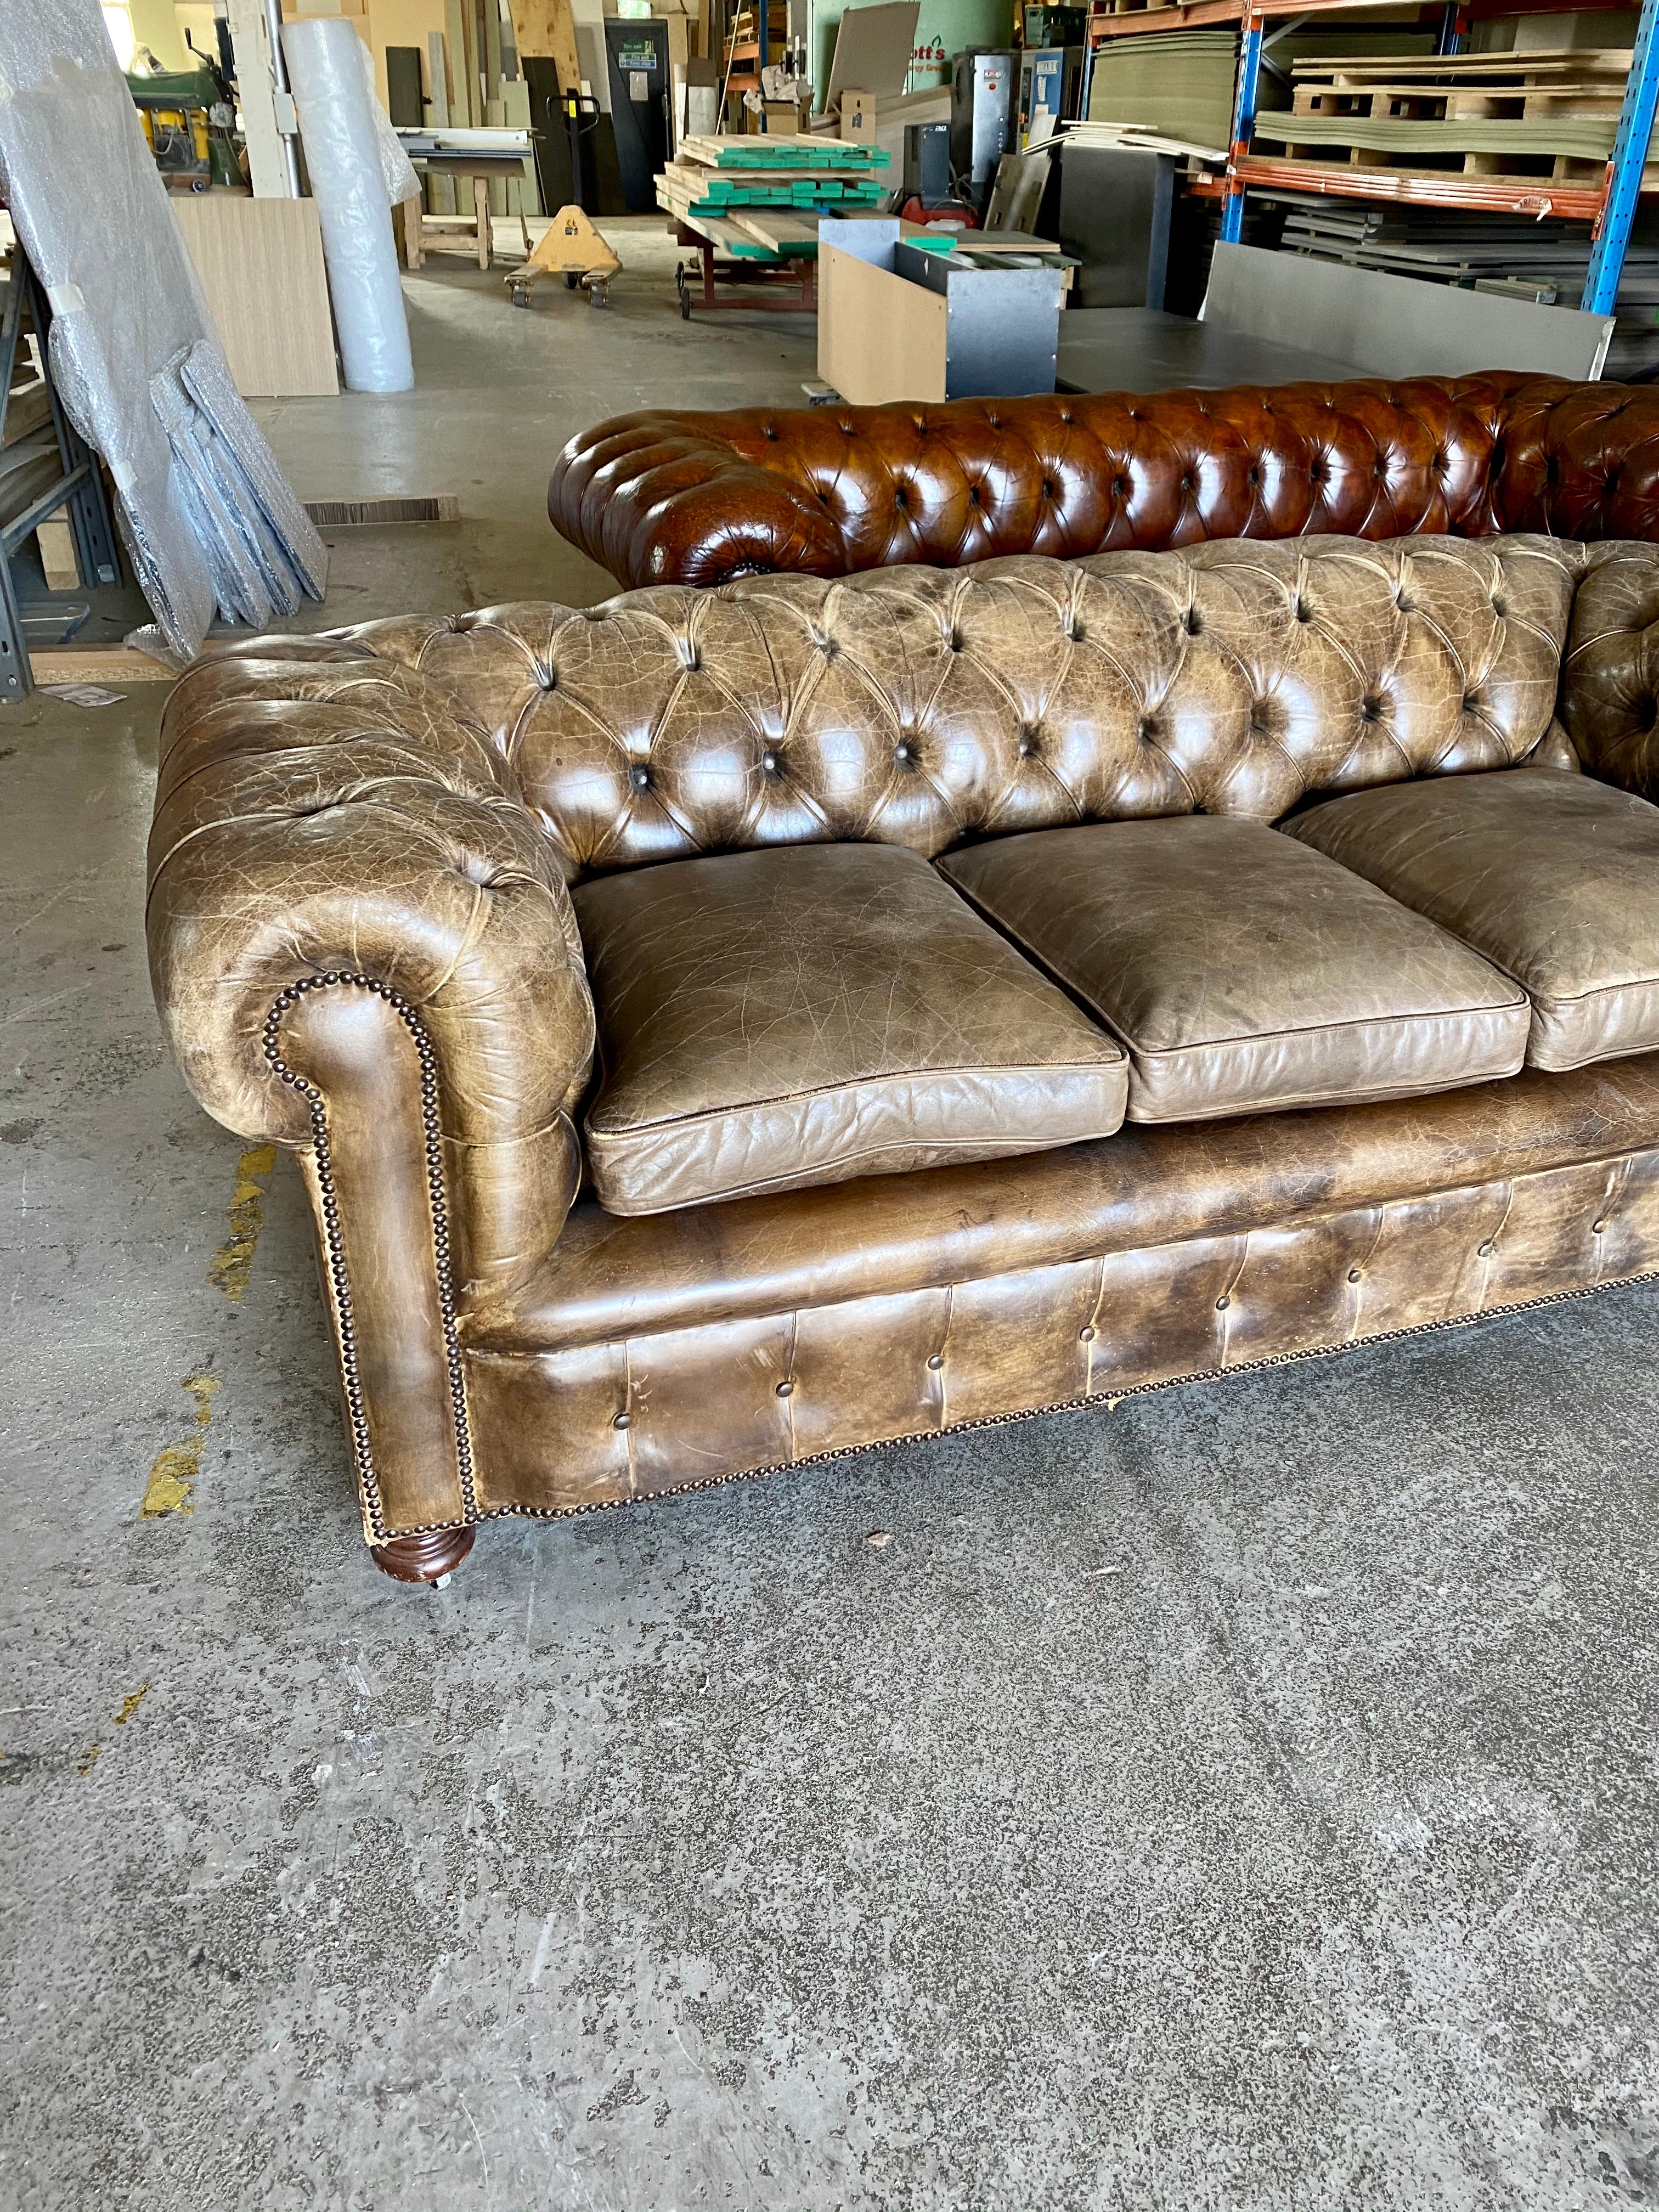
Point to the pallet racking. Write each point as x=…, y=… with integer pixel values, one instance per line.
x=1609, y=207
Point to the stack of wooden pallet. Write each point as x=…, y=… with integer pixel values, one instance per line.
x=1550, y=114
x=758, y=197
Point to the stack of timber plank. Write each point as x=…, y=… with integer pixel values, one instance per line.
x=1547, y=113
x=760, y=199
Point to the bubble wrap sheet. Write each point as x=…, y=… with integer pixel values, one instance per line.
x=208, y=520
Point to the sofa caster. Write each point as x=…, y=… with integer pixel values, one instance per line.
x=431, y=1557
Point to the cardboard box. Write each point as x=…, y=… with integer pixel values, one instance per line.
x=858, y=118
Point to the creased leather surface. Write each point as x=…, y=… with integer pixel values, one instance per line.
x=1554, y=878
x=1150, y=1185
x=772, y=1019
x=1610, y=684
x=917, y=707
x=1241, y=970
x=666, y=496
x=570, y=1425
x=341, y=813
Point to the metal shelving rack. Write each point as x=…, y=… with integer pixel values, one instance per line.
x=1609, y=207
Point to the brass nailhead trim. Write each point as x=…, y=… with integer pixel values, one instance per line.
x=334, y=1253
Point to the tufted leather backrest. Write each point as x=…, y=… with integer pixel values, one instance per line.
x=666, y=497
x=920, y=706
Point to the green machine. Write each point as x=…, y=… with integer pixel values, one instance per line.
x=190, y=119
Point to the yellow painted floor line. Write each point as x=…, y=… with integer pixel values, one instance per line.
x=233, y=1263
x=172, y=1478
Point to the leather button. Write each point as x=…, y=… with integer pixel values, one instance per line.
x=786, y=1389
x=936, y=1360
x=1354, y=1275
x=623, y=1421
x=1222, y=1303
x=1487, y=1249
x=1086, y=1334
x=771, y=764
x=902, y=755
x=639, y=778
x=1597, y=1228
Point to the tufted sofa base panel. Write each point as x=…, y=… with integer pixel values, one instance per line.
x=563, y=1431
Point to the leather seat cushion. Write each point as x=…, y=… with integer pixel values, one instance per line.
x=1243, y=971
x=1554, y=877
x=775, y=1019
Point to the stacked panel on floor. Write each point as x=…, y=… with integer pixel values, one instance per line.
x=1545, y=259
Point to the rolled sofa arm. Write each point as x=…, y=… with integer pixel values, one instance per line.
x=363, y=949
x=666, y=498
x=1610, y=679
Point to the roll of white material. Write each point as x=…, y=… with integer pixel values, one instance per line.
x=343, y=159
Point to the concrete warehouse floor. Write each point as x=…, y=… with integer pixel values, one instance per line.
x=1240, y=1799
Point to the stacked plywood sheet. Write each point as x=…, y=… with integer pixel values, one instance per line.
x=758, y=198
x=1546, y=260
x=1542, y=114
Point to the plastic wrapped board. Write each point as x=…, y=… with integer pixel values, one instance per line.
x=353, y=176
x=197, y=497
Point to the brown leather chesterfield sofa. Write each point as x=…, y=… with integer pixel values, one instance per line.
x=1014, y=987
x=664, y=497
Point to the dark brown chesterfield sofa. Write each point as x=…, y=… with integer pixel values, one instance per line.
x=670, y=498
x=724, y=1027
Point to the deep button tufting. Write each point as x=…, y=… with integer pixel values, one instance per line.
x=1069, y=418
x=1253, y=475
x=1027, y=743
x=899, y=497
x=1439, y=465
x=936, y=1360
x=904, y=753
x=973, y=495
x=770, y=433
x=1354, y=1275
x=1499, y=608
x=786, y=1389
x=955, y=641
x=1086, y=1334
x=1050, y=487
x=1192, y=621
x=1471, y=704
x=1372, y=709
x=1598, y=1228
x=1316, y=473
x=1223, y=1303
x=1382, y=467
x=1146, y=729
x=771, y=764
x=1188, y=484
x=1120, y=487
x=547, y=679
x=1406, y=606
x=623, y=1421
x=639, y=778
x=1486, y=1250
x=1302, y=612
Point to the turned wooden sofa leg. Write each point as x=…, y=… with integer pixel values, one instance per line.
x=431, y=1557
